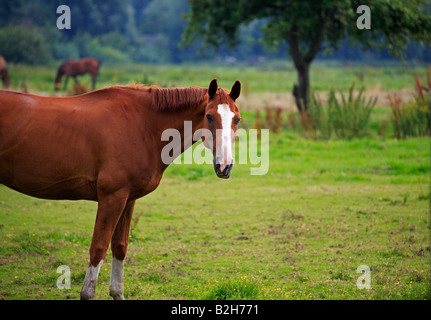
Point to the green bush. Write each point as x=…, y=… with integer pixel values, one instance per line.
x=346, y=119
x=413, y=119
x=319, y=117
x=88, y=46
x=21, y=45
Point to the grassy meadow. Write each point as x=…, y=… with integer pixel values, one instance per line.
x=324, y=208
x=269, y=77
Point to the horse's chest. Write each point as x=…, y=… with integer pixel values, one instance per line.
x=145, y=185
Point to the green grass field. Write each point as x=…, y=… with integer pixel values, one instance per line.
x=299, y=232
x=274, y=77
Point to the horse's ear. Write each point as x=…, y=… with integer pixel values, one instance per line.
x=235, y=91
x=212, y=89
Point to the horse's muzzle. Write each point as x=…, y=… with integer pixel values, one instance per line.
x=225, y=174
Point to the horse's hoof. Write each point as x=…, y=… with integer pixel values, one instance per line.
x=117, y=296
x=87, y=295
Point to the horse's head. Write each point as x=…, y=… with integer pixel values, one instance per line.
x=221, y=120
x=57, y=86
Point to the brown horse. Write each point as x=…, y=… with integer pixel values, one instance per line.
x=3, y=72
x=106, y=146
x=73, y=68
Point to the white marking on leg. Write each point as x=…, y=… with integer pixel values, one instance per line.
x=88, y=290
x=226, y=143
x=116, y=286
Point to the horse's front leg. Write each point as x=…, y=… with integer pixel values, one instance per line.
x=110, y=208
x=5, y=78
x=66, y=79
x=93, y=86
x=119, y=243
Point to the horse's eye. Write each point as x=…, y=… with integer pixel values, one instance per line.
x=210, y=117
x=237, y=120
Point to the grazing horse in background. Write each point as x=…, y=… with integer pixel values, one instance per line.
x=73, y=68
x=106, y=146
x=3, y=72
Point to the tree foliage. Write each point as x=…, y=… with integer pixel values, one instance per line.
x=394, y=23
x=308, y=27
x=21, y=45
x=151, y=30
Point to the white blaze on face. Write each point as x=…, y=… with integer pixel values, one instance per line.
x=226, y=136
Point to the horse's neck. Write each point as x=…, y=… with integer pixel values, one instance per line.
x=179, y=130
x=60, y=73
x=186, y=123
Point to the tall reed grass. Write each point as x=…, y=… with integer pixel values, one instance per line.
x=414, y=118
x=346, y=117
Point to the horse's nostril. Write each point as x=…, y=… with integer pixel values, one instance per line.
x=227, y=168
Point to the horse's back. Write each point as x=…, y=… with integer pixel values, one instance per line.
x=13, y=106
x=61, y=147
x=91, y=64
x=91, y=61
x=81, y=66
x=45, y=147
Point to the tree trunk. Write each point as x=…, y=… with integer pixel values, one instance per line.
x=300, y=90
x=302, y=66
x=302, y=62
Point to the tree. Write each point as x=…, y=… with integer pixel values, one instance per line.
x=309, y=26
x=161, y=21
x=20, y=45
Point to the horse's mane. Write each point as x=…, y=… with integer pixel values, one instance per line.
x=170, y=99
x=173, y=99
